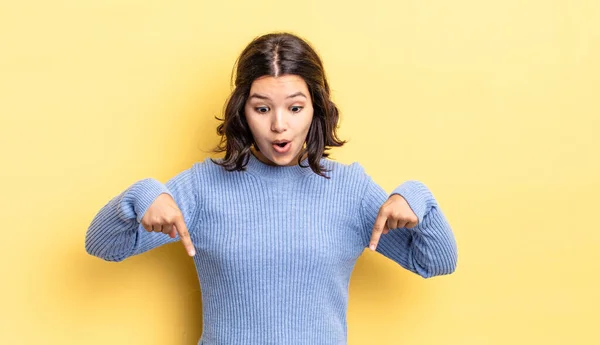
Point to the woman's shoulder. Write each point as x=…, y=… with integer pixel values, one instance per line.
x=208, y=166
x=346, y=170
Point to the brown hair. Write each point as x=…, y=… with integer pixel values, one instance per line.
x=278, y=54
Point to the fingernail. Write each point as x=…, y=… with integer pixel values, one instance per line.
x=192, y=253
x=372, y=246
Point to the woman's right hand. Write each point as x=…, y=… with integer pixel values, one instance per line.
x=164, y=216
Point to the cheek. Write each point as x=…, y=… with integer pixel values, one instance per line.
x=256, y=128
x=307, y=122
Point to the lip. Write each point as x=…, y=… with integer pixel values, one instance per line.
x=282, y=150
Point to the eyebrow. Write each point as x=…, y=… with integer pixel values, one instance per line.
x=259, y=96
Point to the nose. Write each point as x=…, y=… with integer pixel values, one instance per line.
x=279, y=122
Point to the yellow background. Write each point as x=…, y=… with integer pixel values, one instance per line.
x=493, y=104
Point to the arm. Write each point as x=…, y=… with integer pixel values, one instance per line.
x=429, y=249
x=115, y=233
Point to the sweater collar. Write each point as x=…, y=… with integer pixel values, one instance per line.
x=275, y=172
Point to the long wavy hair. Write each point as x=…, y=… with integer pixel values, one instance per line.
x=273, y=55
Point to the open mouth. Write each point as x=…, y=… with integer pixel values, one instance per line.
x=282, y=146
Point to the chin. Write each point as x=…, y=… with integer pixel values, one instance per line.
x=274, y=158
x=282, y=161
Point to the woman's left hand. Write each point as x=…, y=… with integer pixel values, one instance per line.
x=394, y=213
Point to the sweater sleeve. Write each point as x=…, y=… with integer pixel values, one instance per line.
x=116, y=232
x=429, y=249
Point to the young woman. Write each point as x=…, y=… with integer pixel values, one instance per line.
x=275, y=227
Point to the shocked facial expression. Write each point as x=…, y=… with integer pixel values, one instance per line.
x=279, y=112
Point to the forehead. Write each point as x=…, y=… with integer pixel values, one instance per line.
x=281, y=85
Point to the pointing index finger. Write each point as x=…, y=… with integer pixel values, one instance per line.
x=378, y=228
x=184, y=235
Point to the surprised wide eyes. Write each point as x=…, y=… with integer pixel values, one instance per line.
x=263, y=110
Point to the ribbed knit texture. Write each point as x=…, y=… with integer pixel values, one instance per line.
x=276, y=245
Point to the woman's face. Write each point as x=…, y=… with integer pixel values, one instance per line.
x=279, y=112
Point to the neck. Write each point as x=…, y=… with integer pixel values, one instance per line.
x=277, y=172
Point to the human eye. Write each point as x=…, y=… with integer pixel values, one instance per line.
x=296, y=108
x=262, y=110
